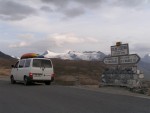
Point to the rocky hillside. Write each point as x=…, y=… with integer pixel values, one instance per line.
x=6, y=61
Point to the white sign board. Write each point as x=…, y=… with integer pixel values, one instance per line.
x=129, y=59
x=110, y=60
x=123, y=49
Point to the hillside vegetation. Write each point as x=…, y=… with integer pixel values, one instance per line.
x=5, y=64
x=78, y=72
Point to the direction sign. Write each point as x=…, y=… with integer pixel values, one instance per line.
x=129, y=59
x=111, y=60
x=123, y=49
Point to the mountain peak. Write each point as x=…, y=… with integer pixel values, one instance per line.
x=76, y=55
x=146, y=58
x=47, y=52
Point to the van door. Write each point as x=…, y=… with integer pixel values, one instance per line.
x=42, y=69
x=27, y=68
x=37, y=69
x=15, y=71
x=47, y=69
x=21, y=71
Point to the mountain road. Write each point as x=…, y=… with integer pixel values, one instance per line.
x=39, y=98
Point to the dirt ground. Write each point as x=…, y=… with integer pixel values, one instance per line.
x=5, y=72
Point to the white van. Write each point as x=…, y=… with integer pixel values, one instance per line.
x=32, y=70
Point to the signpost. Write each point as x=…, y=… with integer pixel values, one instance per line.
x=123, y=69
x=126, y=59
x=122, y=49
x=129, y=59
x=120, y=55
x=111, y=60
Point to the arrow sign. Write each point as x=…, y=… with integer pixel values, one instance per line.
x=110, y=60
x=129, y=59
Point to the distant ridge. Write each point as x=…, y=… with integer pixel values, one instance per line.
x=4, y=56
x=145, y=68
x=146, y=58
x=6, y=61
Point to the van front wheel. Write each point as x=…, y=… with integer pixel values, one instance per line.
x=12, y=80
x=47, y=82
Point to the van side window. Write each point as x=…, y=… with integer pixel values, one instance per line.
x=27, y=64
x=21, y=63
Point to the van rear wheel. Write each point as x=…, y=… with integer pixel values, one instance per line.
x=26, y=82
x=47, y=82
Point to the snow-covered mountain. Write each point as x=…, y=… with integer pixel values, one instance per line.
x=74, y=55
x=15, y=57
x=146, y=58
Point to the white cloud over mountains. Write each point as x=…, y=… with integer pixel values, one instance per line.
x=19, y=45
x=51, y=41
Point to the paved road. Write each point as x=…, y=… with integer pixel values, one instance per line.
x=60, y=99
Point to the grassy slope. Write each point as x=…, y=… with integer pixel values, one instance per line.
x=5, y=65
x=85, y=72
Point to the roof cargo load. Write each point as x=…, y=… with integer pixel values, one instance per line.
x=31, y=55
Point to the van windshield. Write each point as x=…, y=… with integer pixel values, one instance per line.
x=42, y=63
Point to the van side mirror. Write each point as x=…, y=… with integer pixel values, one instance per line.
x=12, y=66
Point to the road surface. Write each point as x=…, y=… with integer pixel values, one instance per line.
x=37, y=98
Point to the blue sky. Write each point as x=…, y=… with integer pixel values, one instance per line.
x=78, y=25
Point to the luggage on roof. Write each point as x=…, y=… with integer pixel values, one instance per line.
x=29, y=55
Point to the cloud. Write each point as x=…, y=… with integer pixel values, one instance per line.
x=129, y=3
x=140, y=48
x=73, y=8
x=91, y=3
x=53, y=42
x=74, y=12
x=92, y=40
x=46, y=9
x=26, y=36
x=19, y=45
x=10, y=10
x=62, y=39
x=65, y=3
x=18, y=10
x=57, y=3
x=38, y=24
